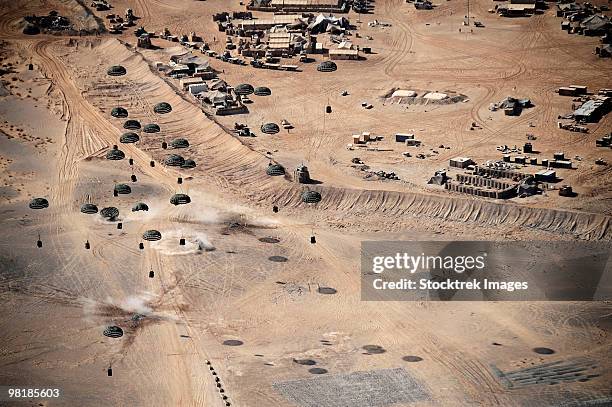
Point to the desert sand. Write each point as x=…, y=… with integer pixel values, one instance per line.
x=243, y=295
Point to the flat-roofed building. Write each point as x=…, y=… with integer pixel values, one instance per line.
x=306, y=5
x=265, y=23
x=461, y=162
x=342, y=53
x=279, y=41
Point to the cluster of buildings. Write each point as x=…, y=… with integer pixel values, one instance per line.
x=286, y=35
x=591, y=107
x=500, y=179
x=330, y=6
x=587, y=19
x=200, y=81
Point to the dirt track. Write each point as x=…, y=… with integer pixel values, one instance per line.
x=221, y=285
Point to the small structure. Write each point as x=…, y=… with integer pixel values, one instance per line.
x=344, y=53
x=566, y=191
x=546, y=175
x=435, y=96
x=440, y=178
x=301, y=175
x=144, y=41
x=461, y=162
x=593, y=109
x=403, y=93
x=305, y=5
x=402, y=137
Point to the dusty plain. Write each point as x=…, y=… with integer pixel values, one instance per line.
x=56, y=127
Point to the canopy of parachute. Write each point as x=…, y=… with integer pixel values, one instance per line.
x=89, y=208
x=179, y=143
x=109, y=213
x=151, y=128
x=115, y=154
x=189, y=163
x=180, y=199
x=275, y=170
x=39, y=203
x=140, y=206
x=119, y=112
x=243, y=89
x=174, y=160
x=131, y=124
x=162, y=108
x=270, y=128
x=327, y=66
x=123, y=189
x=311, y=197
x=113, y=332
x=262, y=91
x=152, y=235
x=116, y=70
x=129, y=137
